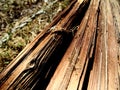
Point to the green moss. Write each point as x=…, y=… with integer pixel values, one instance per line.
x=65, y=3
x=16, y=20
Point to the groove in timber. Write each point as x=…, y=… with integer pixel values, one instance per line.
x=55, y=58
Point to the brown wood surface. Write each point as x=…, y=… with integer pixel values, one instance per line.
x=104, y=75
x=79, y=50
x=70, y=71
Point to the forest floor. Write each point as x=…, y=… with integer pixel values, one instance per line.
x=20, y=23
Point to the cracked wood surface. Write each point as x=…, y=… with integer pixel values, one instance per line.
x=91, y=61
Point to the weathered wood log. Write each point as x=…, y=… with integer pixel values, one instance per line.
x=115, y=8
x=30, y=66
x=71, y=71
x=92, y=58
x=104, y=75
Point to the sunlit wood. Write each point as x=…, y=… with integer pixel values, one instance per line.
x=79, y=50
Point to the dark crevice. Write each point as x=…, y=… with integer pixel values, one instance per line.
x=55, y=58
x=90, y=66
x=91, y=60
x=51, y=65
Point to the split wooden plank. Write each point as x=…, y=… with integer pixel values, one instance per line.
x=88, y=38
x=98, y=75
x=28, y=69
x=103, y=25
x=104, y=75
x=115, y=8
x=69, y=59
x=112, y=51
x=64, y=78
x=95, y=73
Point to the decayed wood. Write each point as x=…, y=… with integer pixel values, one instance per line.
x=92, y=61
x=82, y=62
x=115, y=8
x=30, y=63
x=112, y=47
x=95, y=73
x=104, y=75
x=74, y=63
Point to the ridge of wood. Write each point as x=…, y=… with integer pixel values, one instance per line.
x=72, y=65
x=71, y=53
